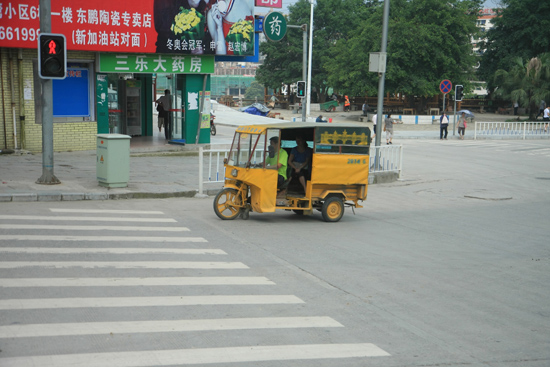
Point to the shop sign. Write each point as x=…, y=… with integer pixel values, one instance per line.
x=223, y=27
x=169, y=64
x=274, y=26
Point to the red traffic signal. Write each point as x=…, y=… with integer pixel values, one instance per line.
x=52, y=56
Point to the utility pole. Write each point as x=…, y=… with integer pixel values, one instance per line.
x=48, y=177
x=308, y=91
x=382, y=78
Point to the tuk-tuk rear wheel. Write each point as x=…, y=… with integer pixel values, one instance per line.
x=333, y=209
x=227, y=204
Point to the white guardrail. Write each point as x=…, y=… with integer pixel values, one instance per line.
x=382, y=159
x=516, y=129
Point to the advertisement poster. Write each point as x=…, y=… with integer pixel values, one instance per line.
x=195, y=27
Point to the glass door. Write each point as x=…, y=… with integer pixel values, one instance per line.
x=177, y=108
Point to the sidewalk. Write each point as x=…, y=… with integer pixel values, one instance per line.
x=157, y=169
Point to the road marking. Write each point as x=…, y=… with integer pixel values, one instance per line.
x=132, y=282
x=253, y=353
x=111, y=250
x=30, y=237
x=97, y=228
x=164, y=326
x=124, y=264
x=87, y=219
x=46, y=303
x=59, y=210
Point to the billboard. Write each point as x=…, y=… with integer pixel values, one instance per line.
x=195, y=27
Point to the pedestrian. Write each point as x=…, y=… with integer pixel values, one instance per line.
x=516, y=106
x=166, y=102
x=388, y=128
x=443, y=125
x=273, y=100
x=546, y=118
x=462, y=125
x=365, y=108
x=541, y=109
x=347, y=104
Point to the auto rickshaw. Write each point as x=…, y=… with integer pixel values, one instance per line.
x=339, y=170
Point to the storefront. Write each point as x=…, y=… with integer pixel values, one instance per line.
x=115, y=53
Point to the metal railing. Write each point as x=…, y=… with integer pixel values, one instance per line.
x=387, y=158
x=215, y=158
x=511, y=129
x=382, y=159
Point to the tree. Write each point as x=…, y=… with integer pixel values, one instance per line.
x=428, y=41
x=526, y=82
x=255, y=90
x=333, y=20
x=522, y=29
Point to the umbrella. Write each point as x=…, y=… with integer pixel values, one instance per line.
x=467, y=112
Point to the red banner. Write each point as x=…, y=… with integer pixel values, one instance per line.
x=144, y=26
x=270, y=3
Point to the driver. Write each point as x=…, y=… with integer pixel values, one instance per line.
x=281, y=164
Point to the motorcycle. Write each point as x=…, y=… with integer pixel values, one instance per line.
x=212, y=125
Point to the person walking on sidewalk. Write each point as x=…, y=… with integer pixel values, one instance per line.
x=541, y=109
x=443, y=125
x=388, y=128
x=462, y=126
x=166, y=102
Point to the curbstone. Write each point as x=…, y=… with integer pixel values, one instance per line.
x=24, y=197
x=4, y=198
x=96, y=196
x=73, y=196
x=49, y=196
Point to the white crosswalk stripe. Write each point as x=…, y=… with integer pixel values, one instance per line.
x=111, y=250
x=102, y=278
x=46, y=303
x=96, y=228
x=253, y=353
x=159, y=326
x=124, y=264
x=132, y=282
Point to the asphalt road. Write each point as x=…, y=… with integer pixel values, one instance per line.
x=449, y=266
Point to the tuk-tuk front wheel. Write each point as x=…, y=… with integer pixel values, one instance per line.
x=227, y=204
x=333, y=209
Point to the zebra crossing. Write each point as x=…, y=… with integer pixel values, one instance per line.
x=531, y=148
x=83, y=295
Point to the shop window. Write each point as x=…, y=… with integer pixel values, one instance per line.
x=73, y=97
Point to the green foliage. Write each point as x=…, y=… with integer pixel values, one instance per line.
x=428, y=41
x=527, y=82
x=333, y=20
x=522, y=30
x=255, y=90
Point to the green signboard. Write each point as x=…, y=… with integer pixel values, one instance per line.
x=274, y=26
x=154, y=63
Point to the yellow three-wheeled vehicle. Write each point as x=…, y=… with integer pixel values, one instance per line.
x=259, y=170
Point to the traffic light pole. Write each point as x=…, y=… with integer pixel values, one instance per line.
x=303, y=27
x=454, y=117
x=48, y=177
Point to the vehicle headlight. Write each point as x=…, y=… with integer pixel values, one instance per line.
x=234, y=172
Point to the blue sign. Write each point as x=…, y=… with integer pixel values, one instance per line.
x=446, y=86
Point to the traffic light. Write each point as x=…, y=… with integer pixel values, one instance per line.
x=301, y=89
x=459, y=92
x=52, y=56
